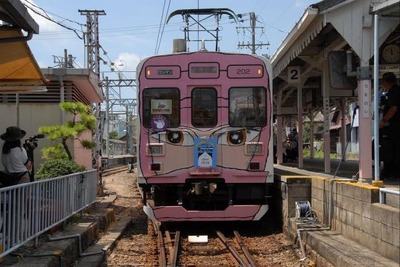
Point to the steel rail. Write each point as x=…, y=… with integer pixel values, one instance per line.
x=232, y=250
x=161, y=248
x=246, y=252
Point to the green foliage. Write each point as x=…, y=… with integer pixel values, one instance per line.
x=71, y=130
x=57, y=167
x=113, y=135
x=318, y=154
x=54, y=152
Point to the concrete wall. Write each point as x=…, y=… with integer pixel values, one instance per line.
x=357, y=213
x=33, y=116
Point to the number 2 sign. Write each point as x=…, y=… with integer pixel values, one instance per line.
x=293, y=74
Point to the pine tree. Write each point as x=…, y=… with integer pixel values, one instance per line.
x=82, y=120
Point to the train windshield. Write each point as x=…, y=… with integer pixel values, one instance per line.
x=204, y=107
x=247, y=107
x=161, y=106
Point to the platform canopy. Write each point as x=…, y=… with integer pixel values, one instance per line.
x=19, y=71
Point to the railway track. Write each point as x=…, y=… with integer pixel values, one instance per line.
x=114, y=170
x=230, y=251
x=139, y=243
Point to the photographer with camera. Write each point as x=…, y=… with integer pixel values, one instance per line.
x=14, y=158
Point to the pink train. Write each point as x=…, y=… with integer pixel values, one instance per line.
x=205, y=136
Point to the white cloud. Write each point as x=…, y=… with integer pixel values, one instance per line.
x=127, y=61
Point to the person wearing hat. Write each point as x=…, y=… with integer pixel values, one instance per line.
x=390, y=127
x=14, y=157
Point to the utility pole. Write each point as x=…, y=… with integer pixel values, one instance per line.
x=93, y=63
x=252, y=29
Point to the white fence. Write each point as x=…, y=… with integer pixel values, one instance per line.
x=28, y=210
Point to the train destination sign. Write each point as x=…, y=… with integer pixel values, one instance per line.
x=203, y=70
x=163, y=72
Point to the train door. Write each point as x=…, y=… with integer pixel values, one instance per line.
x=205, y=117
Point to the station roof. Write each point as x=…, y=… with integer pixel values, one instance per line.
x=321, y=29
x=19, y=71
x=85, y=81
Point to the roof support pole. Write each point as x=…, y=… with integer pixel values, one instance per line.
x=365, y=122
x=300, y=122
x=343, y=129
x=279, y=130
x=376, y=98
x=326, y=112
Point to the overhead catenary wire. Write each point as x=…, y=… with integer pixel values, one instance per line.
x=163, y=21
x=34, y=8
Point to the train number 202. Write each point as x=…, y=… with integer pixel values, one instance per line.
x=242, y=71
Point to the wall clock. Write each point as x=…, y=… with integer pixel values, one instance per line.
x=391, y=53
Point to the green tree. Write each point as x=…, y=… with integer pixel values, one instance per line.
x=113, y=135
x=82, y=120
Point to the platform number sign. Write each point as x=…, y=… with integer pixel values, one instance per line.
x=293, y=74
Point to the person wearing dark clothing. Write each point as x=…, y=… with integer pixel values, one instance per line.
x=390, y=128
x=292, y=150
x=14, y=157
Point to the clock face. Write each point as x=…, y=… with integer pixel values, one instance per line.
x=391, y=53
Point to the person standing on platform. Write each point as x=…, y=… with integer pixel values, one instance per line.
x=390, y=128
x=14, y=157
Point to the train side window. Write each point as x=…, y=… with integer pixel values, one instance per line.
x=161, y=102
x=204, y=107
x=247, y=107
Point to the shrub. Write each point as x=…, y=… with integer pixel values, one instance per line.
x=57, y=167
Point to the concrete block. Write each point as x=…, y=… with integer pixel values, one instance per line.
x=366, y=210
x=357, y=221
x=359, y=236
x=299, y=191
x=338, y=201
x=318, y=194
x=357, y=205
x=343, y=215
x=317, y=205
x=347, y=231
x=386, y=215
x=376, y=229
x=348, y=203
x=391, y=235
x=396, y=219
x=373, y=243
x=365, y=224
x=350, y=218
x=320, y=183
x=391, y=252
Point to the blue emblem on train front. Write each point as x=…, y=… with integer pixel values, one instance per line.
x=205, y=152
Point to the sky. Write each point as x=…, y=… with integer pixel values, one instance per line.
x=129, y=30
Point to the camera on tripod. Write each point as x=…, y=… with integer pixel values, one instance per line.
x=32, y=142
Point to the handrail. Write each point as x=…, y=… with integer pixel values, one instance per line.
x=29, y=210
x=383, y=192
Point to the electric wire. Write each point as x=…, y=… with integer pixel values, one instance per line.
x=163, y=21
x=46, y=16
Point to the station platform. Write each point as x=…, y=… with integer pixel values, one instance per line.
x=339, y=169
x=352, y=227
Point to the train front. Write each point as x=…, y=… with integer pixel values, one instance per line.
x=205, y=137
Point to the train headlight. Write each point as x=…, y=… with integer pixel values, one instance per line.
x=175, y=137
x=155, y=149
x=254, y=148
x=237, y=137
